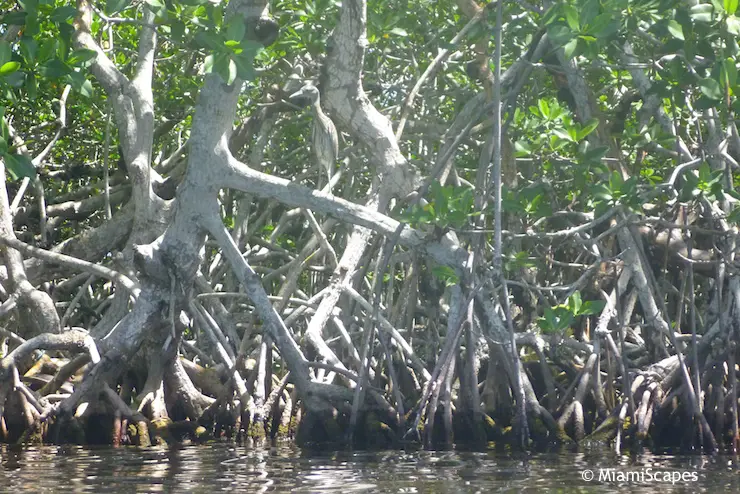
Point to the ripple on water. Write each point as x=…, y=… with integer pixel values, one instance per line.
x=222, y=467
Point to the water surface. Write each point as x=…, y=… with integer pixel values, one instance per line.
x=222, y=467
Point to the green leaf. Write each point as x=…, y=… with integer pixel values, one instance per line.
x=562, y=133
x=226, y=68
x=62, y=48
x=574, y=302
x=113, y=6
x=595, y=154
x=208, y=64
x=734, y=216
x=702, y=12
x=560, y=34
x=5, y=52
x=156, y=5
x=591, y=125
x=245, y=67
x=603, y=26
x=705, y=173
x=208, y=39
x=177, y=30
x=80, y=84
x=523, y=148
x=555, y=320
x=592, y=307
x=47, y=49
x=733, y=25
x=19, y=166
x=4, y=129
x=615, y=180
x=544, y=108
x=54, y=68
x=3, y=145
x=571, y=17
x=728, y=73
x=730, y=6
x=602, y=193
x=86, y=89
x=675, y=29
x=236, y=29
x=81, y=57
x=32, y=24
x=573, y=133
x=63, y=14
x=16, y=79
x=446, y=274
x=9, y=67
x=551, y=15
x=29, y=48
x=15, y=18
x=217, y=14
x=232, y=71
x=399, y=32
x=570, y=48
x=31, y=86
x=588, y=12
x=710, y=88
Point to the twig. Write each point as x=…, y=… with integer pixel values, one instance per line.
x=441, y=57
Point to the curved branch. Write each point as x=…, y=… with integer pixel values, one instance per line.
x=85, y=266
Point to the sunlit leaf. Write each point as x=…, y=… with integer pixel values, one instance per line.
x=208, y=64
x=156, y=4
x=675, y=29
x=570, y=48
x=733, y=25
x=543, y=107
x=574, y=302
x=562, y=133
x=9, y=67
x=571, y=17
x=702, y=12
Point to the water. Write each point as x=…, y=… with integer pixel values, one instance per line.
x=224, y=467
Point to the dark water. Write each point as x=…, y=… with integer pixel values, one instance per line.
x=228, y=468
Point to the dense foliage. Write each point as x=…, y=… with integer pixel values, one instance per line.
x=604, y=303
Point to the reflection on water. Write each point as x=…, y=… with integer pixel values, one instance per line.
x=225, y=467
